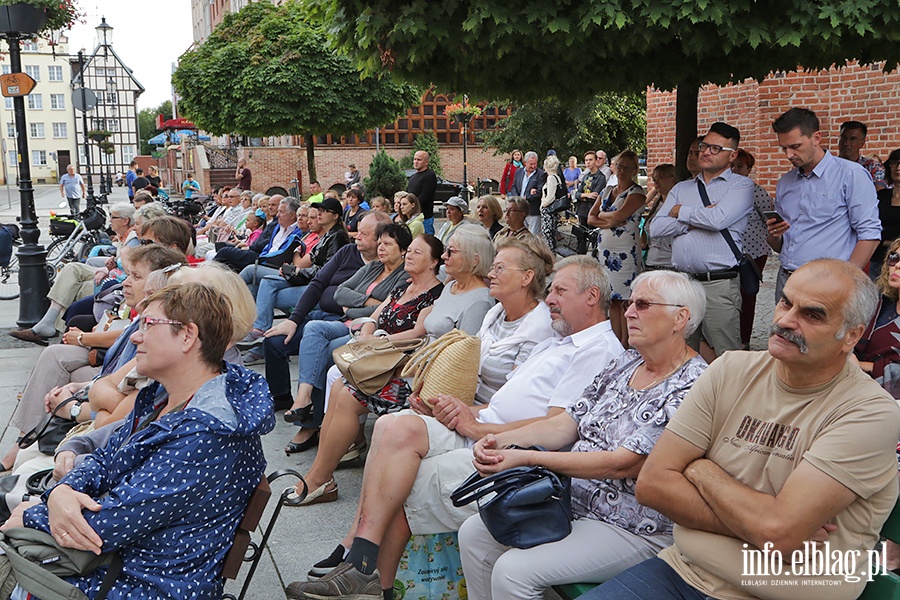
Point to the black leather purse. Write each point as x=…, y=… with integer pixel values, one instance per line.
x=53, y=429
x=528, y=506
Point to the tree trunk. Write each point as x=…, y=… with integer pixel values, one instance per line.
x=310, y=142
x=685, y=122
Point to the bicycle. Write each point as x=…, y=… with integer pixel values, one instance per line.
x=9, y=276
x=77, y=243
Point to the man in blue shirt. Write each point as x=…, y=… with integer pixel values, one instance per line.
x=130, y=176
x=829, y=205
x=699, y=247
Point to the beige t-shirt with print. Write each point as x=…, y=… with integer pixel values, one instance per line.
x=759, y=430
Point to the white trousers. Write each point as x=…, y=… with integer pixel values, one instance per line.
x=594, y=552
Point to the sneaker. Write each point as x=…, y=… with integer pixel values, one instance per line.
x=254, y=338
x=354, y=452
x=252, y=357
x=323, y=567
x=344, y=581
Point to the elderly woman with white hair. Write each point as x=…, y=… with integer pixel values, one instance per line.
x=611, y=429
x=550, y=219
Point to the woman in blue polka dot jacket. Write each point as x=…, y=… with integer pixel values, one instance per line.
x=169, y=489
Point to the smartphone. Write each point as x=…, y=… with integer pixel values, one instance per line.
x=771, y=214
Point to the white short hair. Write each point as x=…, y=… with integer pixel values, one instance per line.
x=677, y=288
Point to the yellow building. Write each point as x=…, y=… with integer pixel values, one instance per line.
x=50, y=118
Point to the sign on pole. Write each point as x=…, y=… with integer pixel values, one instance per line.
x=85, y=103
x=16, y=84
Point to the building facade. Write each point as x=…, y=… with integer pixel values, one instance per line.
x=116, y=112
x=51, y=127
x=852, y=92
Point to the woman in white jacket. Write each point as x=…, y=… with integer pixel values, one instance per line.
x=550, y=219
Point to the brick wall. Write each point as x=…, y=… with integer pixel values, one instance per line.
x=277, y=166
x=836, y=95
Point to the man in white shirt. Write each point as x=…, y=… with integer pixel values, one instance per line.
x=417, y=460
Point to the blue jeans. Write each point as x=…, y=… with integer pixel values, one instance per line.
x=274, y=293
x=429, y=225
x=252, y=274
x=652, y=579
x=320, y=338
x=278, y=355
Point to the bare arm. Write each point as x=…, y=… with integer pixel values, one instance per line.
x=862, y=252
x=663, y=486
x=808, y=500
x=608, y=220
x=104, y=394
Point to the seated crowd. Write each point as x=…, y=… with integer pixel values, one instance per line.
x=679, y=461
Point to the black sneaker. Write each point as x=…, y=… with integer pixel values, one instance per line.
x=323, y=567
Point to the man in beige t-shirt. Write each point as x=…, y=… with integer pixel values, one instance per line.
x=771, y=452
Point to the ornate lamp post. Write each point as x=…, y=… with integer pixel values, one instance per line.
x=24, y=22
x=104, y=39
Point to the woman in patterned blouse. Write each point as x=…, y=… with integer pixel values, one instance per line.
x=611, y=429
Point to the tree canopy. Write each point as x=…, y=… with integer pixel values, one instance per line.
x=147, y=123
x=266, y=70
x=573, y=49
x=608, y=121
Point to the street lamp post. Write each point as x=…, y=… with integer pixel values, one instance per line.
x=84, y=124
x=34, y=284
x=104, y=38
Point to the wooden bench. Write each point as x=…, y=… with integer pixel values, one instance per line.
x=882, y=587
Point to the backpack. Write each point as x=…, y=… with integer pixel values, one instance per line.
x=38, y=564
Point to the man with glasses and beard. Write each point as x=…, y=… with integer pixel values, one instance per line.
x=698, y=227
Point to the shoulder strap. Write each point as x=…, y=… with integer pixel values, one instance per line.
x=725, y=233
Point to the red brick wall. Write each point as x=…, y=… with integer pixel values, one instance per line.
x=850, y=93
x=277, y=166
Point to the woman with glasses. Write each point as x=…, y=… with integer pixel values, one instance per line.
x=618, y=213
x=877, y=351
x=179, y=474
x=462, y=305
x=888, y=212
x=611, y=429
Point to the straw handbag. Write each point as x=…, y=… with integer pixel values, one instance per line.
x=449, y=365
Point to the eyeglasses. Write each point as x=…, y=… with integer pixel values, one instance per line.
x=893, y=259
x=641, y=305
x=713, y=148
x=172, y=268
x=116, y=217
x=449, y=251
x=146, y=242
x=498, y=270
x=512, y=209
x=146, y=322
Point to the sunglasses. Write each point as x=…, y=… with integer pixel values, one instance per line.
x=893, y=259
x=641, y=305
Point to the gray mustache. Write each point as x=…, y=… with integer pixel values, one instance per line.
x=794, y=338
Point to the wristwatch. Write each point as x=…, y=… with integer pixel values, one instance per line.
x=75, y=410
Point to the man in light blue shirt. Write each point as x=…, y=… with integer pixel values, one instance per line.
x=829, y=205
x=71, y=187
x=698, y=246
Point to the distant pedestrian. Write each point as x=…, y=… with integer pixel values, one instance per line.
x=423, y=184
x=190, y=187
x=243, y=175
x=71, y=187
x=130, y=176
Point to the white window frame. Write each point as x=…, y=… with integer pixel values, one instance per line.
x=128, y=154
x=57, y=102
x=33, y=71
x=54, y=70
x=38, y=131
x=39, y=158
x=35, y=102
x=11, y=130
x=60, y=130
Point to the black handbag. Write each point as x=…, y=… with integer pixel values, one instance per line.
x=52, y=429
x=748, y=271
x=562, y=201
x=528, y=506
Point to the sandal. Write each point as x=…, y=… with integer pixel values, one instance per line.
x=295, y=447
x=298, y=415
x=327, y=492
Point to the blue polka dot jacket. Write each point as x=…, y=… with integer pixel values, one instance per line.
x=172, y=494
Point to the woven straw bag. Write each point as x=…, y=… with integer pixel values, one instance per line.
x=448, y=365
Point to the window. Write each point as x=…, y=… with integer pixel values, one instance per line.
x=60, y=130
x=11, y=130
x=55, y=73
x=12, y=158
x=112, y=98
x=29, y=46
x=33, y=71
x=99, y=123
x=37, y=130
x=57, y=101
x=39, y=158
x=112, y=125
x=5, y=69
x=9, y=103
x=36, y=101
x=127, y=154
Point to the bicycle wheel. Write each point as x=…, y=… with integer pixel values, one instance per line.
x=9, y=280
x=59, y=252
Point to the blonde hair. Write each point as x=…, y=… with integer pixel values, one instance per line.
x=227, y=282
